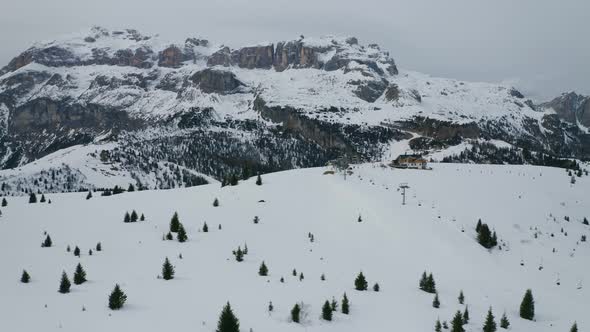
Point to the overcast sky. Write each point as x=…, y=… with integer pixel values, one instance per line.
x=540, y=46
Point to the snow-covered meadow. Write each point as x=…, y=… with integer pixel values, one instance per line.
x=392, y=245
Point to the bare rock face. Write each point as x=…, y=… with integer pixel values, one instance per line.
x=254, y=57
x=216, y=81
x=222, y=57
x=295, y=54
x=370, y=90
x=171, y=57
x=571, y=107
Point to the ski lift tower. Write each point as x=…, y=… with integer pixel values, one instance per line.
x=403, y=187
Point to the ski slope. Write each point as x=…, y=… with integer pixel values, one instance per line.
x=393, y=245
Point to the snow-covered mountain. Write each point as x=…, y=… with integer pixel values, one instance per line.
x=537, y=214
x=161, y=114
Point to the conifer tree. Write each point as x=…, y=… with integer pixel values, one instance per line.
x=68, y=248
x=205, y=228
x=263, y=271
x=295, y=313
x=327, y=311
x=117, y=298
x=334, y=304
x=461, y=297
x=89, y=252
x=466, y=315
x=323, y=277
x=478, y=226
x=256, y=219
x=77, y=251
x=457, y=323
x=360, y=283
x=345, y=306
x=98, y=246
x=169, y=236
x=436, y=302
x=376, y=287
x=258, y=180
x=215, y=202
x=270, y=307
x=42, y=200
x=79, y=275
x=527, y=306
x=228, y=322
x=490, y=324
x=294, y=272
x=47, y=243
x=127, y=217
x=445, y=325
x=89, y=196
x=430, y=284
x=437, y=326
x=32, y=198
x=301, y=276
x=423, y=281
x=245, y=249
x=131, y=188
x=504, y=323
x=574, y=327
x=142, y=218
x=4, y=202
x=182, y=237
x=359, y=219
x=167, y=270
x=25, y=277
x=174, y=223
x=239, y=255
x=64, y=284
x=134, y=216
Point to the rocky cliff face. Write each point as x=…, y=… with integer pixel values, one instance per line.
x=214, y=110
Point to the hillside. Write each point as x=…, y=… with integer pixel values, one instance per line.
x=393, y=245
x=166, y=112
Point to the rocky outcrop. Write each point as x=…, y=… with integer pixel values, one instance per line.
x=296, y=55
x=571, y=107
x=216, y=81
x=370, y=90
x=253, y=57
x=170, y=57
x=221, y=57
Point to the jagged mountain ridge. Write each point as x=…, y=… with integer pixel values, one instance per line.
x=216, y=110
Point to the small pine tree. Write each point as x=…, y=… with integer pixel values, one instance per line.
x=461, y=297
x=174, y=223
x=127, y=217
x=345, y=306
x=360, y=283
x=142, y=218
x=295, y=313
x=504, y=323
x=359, y=219
x=585, y=222
x=445, y=325
x=256, y=219
x=32, y=198
x=182, y=237
x=79, y=275
x=228, y=322
x=167, y=270
x=239, y=255
x=117, y=298
x=4, y=202
x=245, y=249
x=282, y=279
x=169, y=236
x=423, y=281
x=258, y=180
x=478, y=226
x=436, y=302
x=490, y=324
x=457, y=323
x=205, y=227
x=47, y=243
x=42, y=200
x=134, y=216
x=574, y=327
x=131, y=188
x=215, y=202
x=25, y=277
x=98, y=246
x=430, y=284
x=270, y=307
x=322, y=277
x=64, y=284
x=437, y=326
x=334, y=304
x=327, y=311
x=68, y=248
x=294, y=272
x=89, y=196
x=89, y=252
x=301, y=277
x=77, y=251
x=527, y=306
x=376, y=287
x=466, y=315
x=263, y=271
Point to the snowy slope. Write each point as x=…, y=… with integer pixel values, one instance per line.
x=392, y=246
